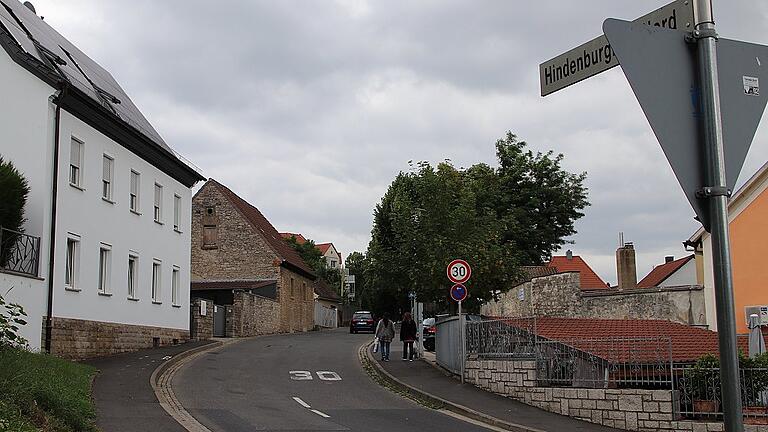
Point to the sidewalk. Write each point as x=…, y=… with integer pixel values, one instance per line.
x=436, y=382
x=124, y=398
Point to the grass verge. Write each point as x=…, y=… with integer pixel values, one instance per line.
x=44, y=393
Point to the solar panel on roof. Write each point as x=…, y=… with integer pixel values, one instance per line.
x=91, y=71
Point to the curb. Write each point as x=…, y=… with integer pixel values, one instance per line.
x=162, y=378
x=420, y=395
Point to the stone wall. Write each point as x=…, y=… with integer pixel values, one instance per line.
x=80, y=339
x=297, y=304
x=560, y=295
x=630, y=409
x=201, y=326
x=252, y=315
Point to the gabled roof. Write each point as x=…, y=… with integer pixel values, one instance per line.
x=661, y=272
x=289, y=256
x=758, y=178
x=589, y=279
x=88, y=90
x=687, y=343
x=323, y=247
x=300, y=239
x=325, y=291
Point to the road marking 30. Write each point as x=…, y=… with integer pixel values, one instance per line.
x=321, y=375
x=301, y=402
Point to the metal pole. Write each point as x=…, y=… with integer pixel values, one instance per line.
x=461, y=343
x=716, y=194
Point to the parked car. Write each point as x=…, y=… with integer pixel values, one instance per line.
x=428, y=330
x=362, y=321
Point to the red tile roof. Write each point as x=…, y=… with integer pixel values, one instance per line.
x=268, y=232
x=325, y=291
x=589, y=279
x=323, y=247
x=300, y=239
x=661, y=272
x=593, y=335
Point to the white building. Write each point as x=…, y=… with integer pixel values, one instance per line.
x=119, y=250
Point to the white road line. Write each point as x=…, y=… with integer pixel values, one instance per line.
x=320, y=413
x=301, y=402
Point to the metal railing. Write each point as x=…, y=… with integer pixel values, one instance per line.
x=701, y=397
x=643, y=362
x=19, y=252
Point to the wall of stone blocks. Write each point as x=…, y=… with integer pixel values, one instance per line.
x=560, y=295
x=76, y=339
x=252, y=315
x=201, y=326
x=630, y=409
x=297, y=307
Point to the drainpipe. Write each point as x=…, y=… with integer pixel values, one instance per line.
x=54, y=200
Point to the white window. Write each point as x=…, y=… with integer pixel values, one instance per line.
x=75, y=162
x=71, y=277
x=175, y=283
x=177, y=213
x=105, y=268
x=135, y=187
x=333, y=263
x=107, y=178
x=133, y=271
x=158, y=202
x=156, y=281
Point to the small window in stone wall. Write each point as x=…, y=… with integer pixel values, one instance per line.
x=210, y=228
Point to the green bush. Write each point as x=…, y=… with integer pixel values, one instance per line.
x=12, y=317
x=13, y=196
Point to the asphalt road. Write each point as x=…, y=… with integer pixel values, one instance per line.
x=248, y=386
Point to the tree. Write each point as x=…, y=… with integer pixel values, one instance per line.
x=357, y=265
x=496, y=218
x=315, y=260
x=13, y=197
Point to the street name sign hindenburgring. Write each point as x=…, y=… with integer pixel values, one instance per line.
x=668, y=91
x=596, y=56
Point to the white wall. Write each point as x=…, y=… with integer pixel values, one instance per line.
x=26, y=139
x=95, y=221
x=685, y=275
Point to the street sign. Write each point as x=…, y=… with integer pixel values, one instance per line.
x=459, y=271
x=459, y=292
x=597, y=56
x=668, y=91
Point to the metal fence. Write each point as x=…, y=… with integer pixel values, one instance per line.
x=510, y=338
x=700, y=392
x=19, y=252
x=447, y=352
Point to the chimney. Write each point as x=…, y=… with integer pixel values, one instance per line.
x=569, y=255
x=626, y=267
x=30, y=6
x=669, y=259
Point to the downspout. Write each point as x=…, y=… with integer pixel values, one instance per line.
x=54, y=200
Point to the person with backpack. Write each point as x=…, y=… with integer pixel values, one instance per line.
x=385, y=332
x=408, y=334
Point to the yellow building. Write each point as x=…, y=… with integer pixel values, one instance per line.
x=748, y=222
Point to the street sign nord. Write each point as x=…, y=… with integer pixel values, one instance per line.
x=669, y=94
x=596, y=56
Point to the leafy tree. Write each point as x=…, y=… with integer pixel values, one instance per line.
x=357, y=264
x=315, y=260
x=13, y=196
x=496, y=218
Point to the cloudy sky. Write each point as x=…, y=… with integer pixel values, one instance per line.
x=308, y=109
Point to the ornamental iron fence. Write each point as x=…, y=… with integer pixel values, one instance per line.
x=19, y=252
x=701, y=397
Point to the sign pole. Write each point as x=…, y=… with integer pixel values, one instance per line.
x=461, y=342
x=716, y=193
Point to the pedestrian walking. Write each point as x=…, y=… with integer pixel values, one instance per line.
x=408, y=334
x=385, y=331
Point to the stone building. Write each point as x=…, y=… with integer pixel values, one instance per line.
x=568, y=288
x=262, y=283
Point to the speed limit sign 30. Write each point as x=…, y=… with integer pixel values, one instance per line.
x=459, y=271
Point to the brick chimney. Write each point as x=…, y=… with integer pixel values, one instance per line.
x=626, y=267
